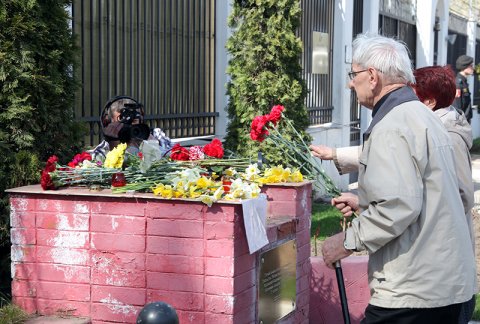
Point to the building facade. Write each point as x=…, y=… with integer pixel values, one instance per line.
x=171, y=56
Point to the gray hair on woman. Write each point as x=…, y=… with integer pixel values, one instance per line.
x=386, y=55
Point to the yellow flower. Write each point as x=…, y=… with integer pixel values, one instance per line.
x=297, y=176
x=114, y=158
x=193, y=193
x=158, y=189
x=218, y=193
x=204, y=183
x=207, y=200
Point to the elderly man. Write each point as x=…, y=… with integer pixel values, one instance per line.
x=421, y=266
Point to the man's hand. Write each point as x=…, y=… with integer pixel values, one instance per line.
x=322, y=152
x=333, y=250
x=346, y=203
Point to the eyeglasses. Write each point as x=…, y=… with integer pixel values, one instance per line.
x=353, y=74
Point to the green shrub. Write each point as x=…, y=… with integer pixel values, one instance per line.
x=37, y=55
x=265, y=71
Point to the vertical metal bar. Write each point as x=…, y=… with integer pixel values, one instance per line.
x=145, y=52
x=91, y=65
x=100, y=45
x=164, y=79
x=117, y=49
x=152, y=82
x=107, y=47
x=138, y=51
x=130, y=77
x=213, y=65
x=170, y=72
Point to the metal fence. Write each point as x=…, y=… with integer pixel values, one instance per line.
x=160, y=52
x=317, y=16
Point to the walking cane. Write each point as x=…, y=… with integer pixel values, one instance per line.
x=341, y=285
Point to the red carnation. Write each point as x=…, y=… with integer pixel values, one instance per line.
x=259, y=129
x=46, y=181
x=79, y=158
x=276, y=114
x=179, y=153
x=214, y=149
x=51, y=163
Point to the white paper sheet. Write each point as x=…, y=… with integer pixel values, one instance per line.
x=255, y=220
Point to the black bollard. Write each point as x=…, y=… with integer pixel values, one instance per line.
x=157, y=313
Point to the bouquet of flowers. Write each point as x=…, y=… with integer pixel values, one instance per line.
x=200, y=173
x=296, y=152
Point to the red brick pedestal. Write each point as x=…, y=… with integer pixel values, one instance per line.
x=104, y=255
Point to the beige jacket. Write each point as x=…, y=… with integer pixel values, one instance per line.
x=412, y=222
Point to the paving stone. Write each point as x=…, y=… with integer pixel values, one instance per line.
x=58, y=320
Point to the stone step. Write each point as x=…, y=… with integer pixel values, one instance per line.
x=58, y=320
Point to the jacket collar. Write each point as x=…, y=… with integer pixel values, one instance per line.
x=387, y=103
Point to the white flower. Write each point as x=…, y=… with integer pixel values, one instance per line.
x=252, y=172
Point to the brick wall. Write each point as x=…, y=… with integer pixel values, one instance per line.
x=106, y=256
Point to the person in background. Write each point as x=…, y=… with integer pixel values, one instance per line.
x=122, y=122
x=408, y=198
x=463, y=100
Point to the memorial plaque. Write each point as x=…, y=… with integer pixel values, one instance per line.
x=320, y=50
x=277, y=282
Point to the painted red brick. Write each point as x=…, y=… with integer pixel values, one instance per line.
x=181, y=301
x=63, y=221
x=117, y=313
x=26, y=271
x=22, y=236
x=142, y=250
x=118, y=206
x=175, y=263
x=218, y=318
x=220, y=304
x=303, y=252
x=125, y=260
x=223, y=267
x=118, y=224
x=63, y=273
x=175, y=246
x=65, y=239
x=219, y=248
x=219, y=285
x=63, y=291
x=29, y=305
x=282, y=193
x=244, y=263
x=19, y=203
x=192, y=317
x=24, y=219
x=119, y=295
x=23, y=253
x=118, y=269
x=175, y=210
x=245, y=316
x=63, y=307
x=24, y=288
x=175, y=282
x=118, y=242
x=303, y=237
x=223, y=213
x=175, y=227
x=59, y=255
x=61, y=204
x=325, y=304
x=221, y=230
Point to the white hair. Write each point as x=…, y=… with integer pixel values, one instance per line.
x=386, y=55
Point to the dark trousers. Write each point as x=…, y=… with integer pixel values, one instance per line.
x=439, y=315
